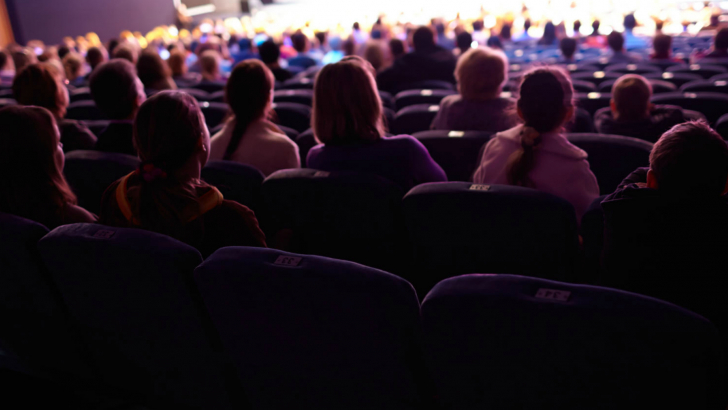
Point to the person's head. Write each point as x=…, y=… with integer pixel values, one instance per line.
x=689, y=161
x=478, y=25
x=42, y=85
x=631, y=95
x=423, y=39
x=63, y=51
x=73, y=65
x=374, y=54
x=495, y=43
x=720, y=42
x=23, y=57
x=567, y=47
x=153, y=71
x=526, y=25
x=117, y=90
x=177, y=62
x=505, y=32
x=210, y=65
x=346, y=104
x=595, y=28
x=321, y=38
x=659, y=24
x=127, y=51
x=577, y=27
x=545, y=104
x=349, y=47
x=464, y=41
x=113, y=43
x=95, y=56
x=615, y=40
x=629, y=22
x=397, y=47
x=356, y=26
x=32, y=158
x=269, y=52
x=300, y=42
x=440, y=29
x=662, y=44
x=549, y=32
x=249, y=93
x=481, y=73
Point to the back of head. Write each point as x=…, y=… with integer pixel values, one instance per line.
x=210, y=62
x=269, y=52
x=300, y=42
x=615, y=40
x=659, y=24
x=374, y=54
x=346, y=104
x=114, y=89
x=478, y=25
x=526, y=24
x=39, y=85
x=481, y=73
x=152, y=70
x=22, y=58
x=505, y=32
x=248, y=92
x=126, y=51
x=95, y=56
x=662, y=44
x=494, y=42
x=567, y=47
x=595, y=27
x=177, y=62
x=356, y=26
x=396, y=47
x=630, y=22
x=440, y=29
x=631, y=94
x=35, y=188
x=321, y=38
x=690, y=161
x=423, y=39
x=464, y=41
x=721, y=39
x=73, y=64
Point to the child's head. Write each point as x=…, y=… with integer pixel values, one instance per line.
x=153, y=71
x=269, y=52
x=545, y=100
x=631, y=96
x=689, y=161
x=42, y=85
x=117, y=90
x=481, y=73
x=126, y=51
x=95, y=56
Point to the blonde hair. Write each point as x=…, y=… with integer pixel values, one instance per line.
x=346, y=104
x=209, y=62
x=481, y=72
x=72, y=64
x=631, y=94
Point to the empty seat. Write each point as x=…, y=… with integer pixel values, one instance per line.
x=84, y=110
x=414, y=118
x=298, y=83
x=97, y=126
x=612, y=157
x=425, y=85
x=592, y=234
x=237, y=182
x=132, y=293
x=414, y=97
x=214, y=113
x=305, y=142
x=633, y=68
x=200, y=96
x=676, y=78
x=716, y=86
x=658, y=86
x=90, y=172
x=344, y=215
x=80, y=94
x=712, y=105
x=704, y=70
x=505, y=342
x=299, y=96
x=581, y=121
x=459, y=227
x=592, y=102
x=596, y=77
x=457, y=152
x=316, y=333
x=293, y=115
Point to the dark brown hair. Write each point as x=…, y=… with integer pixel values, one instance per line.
x=153, y=71
x=34, y=186
x=38, y=84
x=113, y=87
x=631, y=94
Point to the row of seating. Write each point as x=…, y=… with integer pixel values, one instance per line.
x=142, y=314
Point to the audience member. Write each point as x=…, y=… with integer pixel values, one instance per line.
x=481, y=73
x=595, y=39
x=630, y=40
x=348, y=121
x=428, y=61
x=154, y=73
x=505, y=32
x=249, y=137
x=118, y=93
x=720, y=45
x=662, y=46
x=22, y=58
x=73, y=66
x=127, y=51
x=210, y=66
x=577, y=29
x=178, y=66
x=270, y=53
x=464, y=42
x=32, y=159
x=568, y=49
x=374, y=54
x=495, y=43
x=302, y=45
x=96, y=56
x=397, y=48
x=631, y=114
x=42, y=85
x=619, y=56
x=549, y=35
x=536, y=154
x=165, y=194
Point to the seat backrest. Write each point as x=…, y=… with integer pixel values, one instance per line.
x=581, y=86
x=84, y=110
x=344, y=215
x=97, y=126
x=238, y=182
x=459, y=227
x=581, y=121
x=455, y=151
x=80, y=94
x=712, y=105
x=133, y=295
x=596, y=77
x=304, y=83
x=612, y=157
x=414, y=97
x=425, y=85
x=704, y=70
x=214, y=113
x=592, y=102
x=414, y=118
x=305, y=142
x=4, y=102
x=658, y=86
x=209, y=87
x=299, y=96
x=311, y=332
x=90, y=172
x=715, y=86
x=502, y=341
x=676, y=78
x=293, y=115
x=721, y=126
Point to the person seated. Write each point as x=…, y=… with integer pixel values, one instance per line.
x=118, y=93
x=246, y=51
x=348, y=121
x=212, y=80
x=397, y=48
x=464, y=42
x=442, y=39
x=126, y=51
x=428, y=61
x=481, y=73
x=22, y=58
x=270, y=54
x=525, y=37
x=631, y=114
x=374, y=54
x=42, y=85
x=166, y=195
x=720, y=45
x=662, y=46
x=95, y=56
x=495, y=43
x=549, y=35
x=154, y=72
x=595, y=39
x=567, y=46
x=630, y=40
x=302, y=45
x=177, y=63
x=32, y=158
x=615, y=40
x=537, y=154
x=7, y=70
x=249, y=137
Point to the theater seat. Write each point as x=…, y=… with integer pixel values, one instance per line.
x=299, y=96
x=704, y=70
x=293, y=115
x=676, y=78
x=316, y=333
x=344, y=215
x=425, y=85
x=90, y=172
x=596, y=77
x=200, y=96
x=210, y=86
x=507, y=342
x=414, y=118
x=214, y=113
x=84, y=110
x=237, y=182
x=581, y=86
x=459, y=227
x=455, y=151
x=592, y=102
x=414, y=97
x=581, y=121
x=80, y=94
x=640, y=69
x=97, y=126
x=290, y=132
x=712, y=105
x=132, y=293
x=218, y=96
x=612, y=157
x=387, y=99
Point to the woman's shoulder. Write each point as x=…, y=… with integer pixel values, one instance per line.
x=76, y=214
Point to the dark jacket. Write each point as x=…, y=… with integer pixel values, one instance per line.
x=436, y=64
x=117, y=137
x=661, y=119
x=76, y=136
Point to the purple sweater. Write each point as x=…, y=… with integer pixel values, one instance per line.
x=401, y=159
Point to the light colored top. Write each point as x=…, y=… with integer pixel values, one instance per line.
x=560, y=168
x=264, y=146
